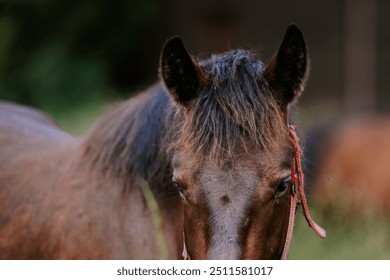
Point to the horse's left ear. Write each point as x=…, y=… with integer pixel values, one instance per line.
x=287, y=71
x=181, y=75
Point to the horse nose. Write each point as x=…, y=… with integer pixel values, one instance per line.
x=225, y=249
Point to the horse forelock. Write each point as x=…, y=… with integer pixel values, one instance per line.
x=234, y=110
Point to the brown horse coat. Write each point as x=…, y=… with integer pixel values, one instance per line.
x=354, y=171
x=50, y=209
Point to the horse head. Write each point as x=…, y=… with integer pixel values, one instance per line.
x=232, y=152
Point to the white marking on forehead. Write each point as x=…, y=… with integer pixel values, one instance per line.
x=228, y=194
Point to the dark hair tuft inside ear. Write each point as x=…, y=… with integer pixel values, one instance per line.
x=287, y=71
x=180, y=74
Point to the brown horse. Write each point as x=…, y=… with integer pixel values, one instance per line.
x=354, y=171
x=211, y=143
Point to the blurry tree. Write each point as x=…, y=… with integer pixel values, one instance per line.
x=53, y=53
x=360, y=55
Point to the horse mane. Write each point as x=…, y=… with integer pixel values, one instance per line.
x=126, y=141
x=236, y=109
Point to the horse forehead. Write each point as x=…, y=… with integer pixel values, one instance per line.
x=240, y=177
x=228, y=179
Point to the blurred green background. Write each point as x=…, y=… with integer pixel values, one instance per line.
x=72, y=59
x=61, y=55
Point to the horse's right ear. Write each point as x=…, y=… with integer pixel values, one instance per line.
x=181, y=75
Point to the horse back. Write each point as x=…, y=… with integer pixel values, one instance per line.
x=23, y=128
x=55, y=205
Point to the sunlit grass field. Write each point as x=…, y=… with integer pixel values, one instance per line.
x=365, y=236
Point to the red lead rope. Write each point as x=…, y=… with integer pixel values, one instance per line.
x=297, y=180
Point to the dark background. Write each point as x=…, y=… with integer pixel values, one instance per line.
x=55, y=54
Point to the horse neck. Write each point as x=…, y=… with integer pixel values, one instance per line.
x=128, y=142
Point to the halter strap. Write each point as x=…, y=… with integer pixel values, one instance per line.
x=297, y=181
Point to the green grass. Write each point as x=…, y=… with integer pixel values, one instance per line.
x=364, y=236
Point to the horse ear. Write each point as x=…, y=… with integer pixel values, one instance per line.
x=181, y=75
x=287, y=71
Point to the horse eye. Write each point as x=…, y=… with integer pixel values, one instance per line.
x=177, y=186
x=282, y=187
